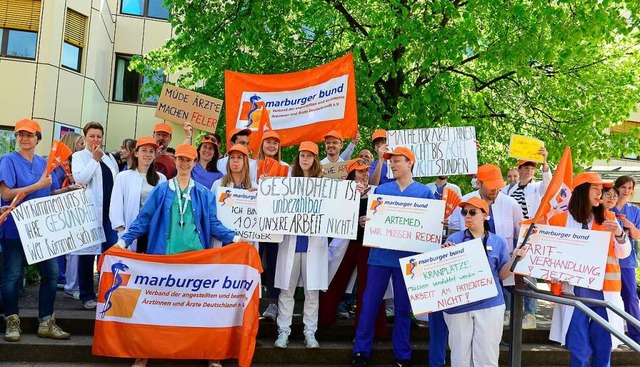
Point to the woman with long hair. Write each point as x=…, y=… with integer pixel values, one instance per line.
x=126, y=154
x=588, y=342
x=237, y=176
x=301, y=257
x=132, y=187
x=206, y=170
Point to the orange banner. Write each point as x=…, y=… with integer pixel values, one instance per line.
x=195, y=305
x=304, y=105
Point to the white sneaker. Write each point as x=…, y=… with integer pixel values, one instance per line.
x=507, y=318
x=282, y=341
x=90, y=305
x=75, y=294
x=271, y=312
x=310, y=341
x=12, y=334
x=529, y=322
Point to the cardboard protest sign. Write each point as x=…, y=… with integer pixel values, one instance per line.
x=237, y=210
x=303, y=105
x=308, y=206
x=576, y=256
x=526, y=148
x=181, y=105
x=335, y=170
x=56, y=225
x=441, y=151
x=448, y=277
x=145, y=301
x=403, y=223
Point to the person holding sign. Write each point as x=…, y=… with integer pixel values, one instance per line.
x=333, y=143
x=475, y=329
x=378, y=171
x=132, y=188
x=206, y=171
x=23, y=171
x=383, y=265
x=303, y=257
x=165, y=164
x=588, y=342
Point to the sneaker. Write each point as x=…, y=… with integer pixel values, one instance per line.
x=358, y=360
x=271, y=312
x=507, y=318
x=343, y=311
x=214, y=363
x=310, y=341
x=529, y=321
x=89, y=305
x=12, y=334
x=49, y=329
x=282, y=341
x=140, y=362
x=403, y=363
x=72, y=294
x=60, y=286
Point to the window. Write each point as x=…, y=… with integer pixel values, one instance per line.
x=74, y=35
x=7, y=140
x=129, y=85
x=19, y=25
x=145, y=8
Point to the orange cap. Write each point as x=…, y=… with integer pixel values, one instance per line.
x=491, y=176
x=608, y=185
x=186, y=150
x=146, y=140
x=162, y=127
x=309, y=146
x=356, y=164
x=333, y=134
x=401, y=151
x=587, y=177
x=523, y=162
x=28, y=125
x=477, y=202
x=379, y=133
x=270, y=134
x=238, y=148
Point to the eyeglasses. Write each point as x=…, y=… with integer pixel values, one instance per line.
x=24, y=134
x=610, y=196
x=471, y=212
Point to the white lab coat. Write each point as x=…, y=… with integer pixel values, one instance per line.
x=86, y=171
x=533, y=192
x=317, y=264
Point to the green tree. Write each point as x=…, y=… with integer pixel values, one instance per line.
x=562, y=71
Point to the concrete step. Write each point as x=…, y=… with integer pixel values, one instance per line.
x=32, y=349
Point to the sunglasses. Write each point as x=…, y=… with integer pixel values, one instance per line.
x=360, y=162
x=210, y=137
x=471, y=212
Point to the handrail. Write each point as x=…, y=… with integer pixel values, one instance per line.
x=515, y=345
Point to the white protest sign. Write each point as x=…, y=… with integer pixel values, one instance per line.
x=309, y=206
x=57, y=225
x=448, y=277
x=576, y=256
x=403, y=223
x=237, y=210
x=440, y=151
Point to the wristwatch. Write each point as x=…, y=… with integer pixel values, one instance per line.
x=623, y=236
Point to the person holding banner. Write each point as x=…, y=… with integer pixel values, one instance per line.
x=303, y=257
x=475, y=329
x=23, y=171
x=350, y=257
x=333, y=143
x=97, y=170
x=589, y=343
x=629, y=218
x=206, y=171
x=383, y=265
x=132, y=188
x=378, y=170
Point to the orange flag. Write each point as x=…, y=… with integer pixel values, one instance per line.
x=264, y=124
x=556, y=198
x=451, y=199
x=58, y=154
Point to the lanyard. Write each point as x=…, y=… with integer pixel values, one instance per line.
x=468, y=235
x=182, y=207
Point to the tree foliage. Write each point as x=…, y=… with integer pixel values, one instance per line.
x=562, y=71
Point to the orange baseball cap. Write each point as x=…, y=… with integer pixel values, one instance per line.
x=309, y=146
x=491, y=176
x=28, y=126
x=608, y=185
x=146, y=140
x=587, y=177
x=163, y=127
x=333, y=134
x=523, y=162
x=186, y=150
x=356, y=164
x=477, y=202
x=270, y=134
x=379, y=133
x=401, y=151
x=238, y=148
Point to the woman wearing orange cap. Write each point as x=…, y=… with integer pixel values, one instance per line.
x=475, y=329
x=588, y=342
x=206, y=171
x=132, y=187
x=237, y=175
x=294, y=263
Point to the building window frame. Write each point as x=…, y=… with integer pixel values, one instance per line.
x=139, y=79
x=4, y=46
x=144, y=12
x=75, y=35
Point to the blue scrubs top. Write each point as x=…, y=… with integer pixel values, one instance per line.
x=633, y=214
x=204, y=177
